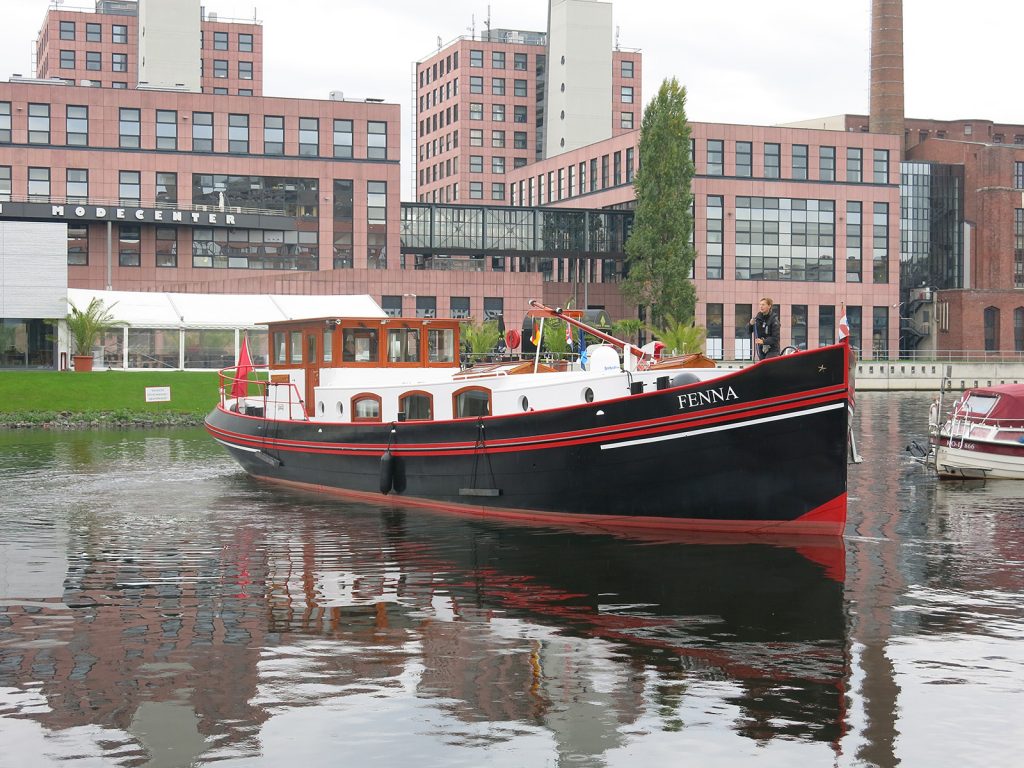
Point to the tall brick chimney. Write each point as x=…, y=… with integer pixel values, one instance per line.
x=886, y=67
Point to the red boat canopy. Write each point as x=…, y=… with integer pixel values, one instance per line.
x=1005, y=401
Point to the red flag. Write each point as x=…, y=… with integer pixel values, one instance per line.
x=240, y=386
x=844, y=326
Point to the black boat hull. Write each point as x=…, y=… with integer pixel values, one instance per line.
x=760, y=450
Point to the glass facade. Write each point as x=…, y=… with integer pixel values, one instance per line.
x=785, y=239
x=26, y=343
x=931, y=240
x=282, y=195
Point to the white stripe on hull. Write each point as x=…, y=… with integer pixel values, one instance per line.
x=957, y=462
x=723, y=428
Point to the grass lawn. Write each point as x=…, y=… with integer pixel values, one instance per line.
x=46, y=392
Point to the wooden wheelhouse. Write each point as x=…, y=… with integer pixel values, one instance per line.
x=359, y=342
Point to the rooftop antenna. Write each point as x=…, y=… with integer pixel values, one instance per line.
x=438, y=43
x=472, y=27
x=616, y=37
x=488, y=22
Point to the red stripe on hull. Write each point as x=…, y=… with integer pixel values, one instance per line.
x=827, y=520
x=633, y=430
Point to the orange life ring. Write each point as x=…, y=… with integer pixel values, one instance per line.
x=512, y=339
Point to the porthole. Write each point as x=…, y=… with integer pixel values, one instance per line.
x=341, y=408
x=320, y=406
x=524, y=402
x=562, y=142
x=588, y=395
x=562, y=115
x=563, y=59
x=563, y=87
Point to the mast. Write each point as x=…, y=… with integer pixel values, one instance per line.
x=558, y=313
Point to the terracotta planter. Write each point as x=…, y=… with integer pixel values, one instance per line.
x=83, y=363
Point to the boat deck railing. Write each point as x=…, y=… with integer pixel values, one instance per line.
x=963, y=426
x=268, y=394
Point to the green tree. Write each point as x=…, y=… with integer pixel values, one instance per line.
x=680, y=337
x=659, y=254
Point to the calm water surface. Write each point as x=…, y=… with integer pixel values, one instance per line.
x=159, y=608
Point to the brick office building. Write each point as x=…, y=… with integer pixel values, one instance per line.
x=807, y=217
x=487, y=105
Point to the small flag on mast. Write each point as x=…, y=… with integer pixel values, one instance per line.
x=844, y=324
x=535, y=338
x=568, y=335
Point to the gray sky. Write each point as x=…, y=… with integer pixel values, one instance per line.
x=742, y=61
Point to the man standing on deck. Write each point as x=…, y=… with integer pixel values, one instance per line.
x=765, y=327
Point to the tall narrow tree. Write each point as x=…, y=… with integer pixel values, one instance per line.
x=659, y=254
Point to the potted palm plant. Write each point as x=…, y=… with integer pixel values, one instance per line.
x=481, y=338
x=85, y=327
x=680, y=337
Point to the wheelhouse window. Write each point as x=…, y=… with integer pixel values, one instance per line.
x=328, y=346
x=417, y=406
x=279, y=347
x=403, y=345
x=471, y=402
x=366, y=407
x=359, y=345
x=295, y=347
x=441, y=344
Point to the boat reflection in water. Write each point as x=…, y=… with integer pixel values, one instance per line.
x=583, y=634
x=224, y=633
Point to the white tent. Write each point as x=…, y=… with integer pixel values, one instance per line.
x=220, y=311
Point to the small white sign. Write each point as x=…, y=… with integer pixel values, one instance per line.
x=158, y=394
